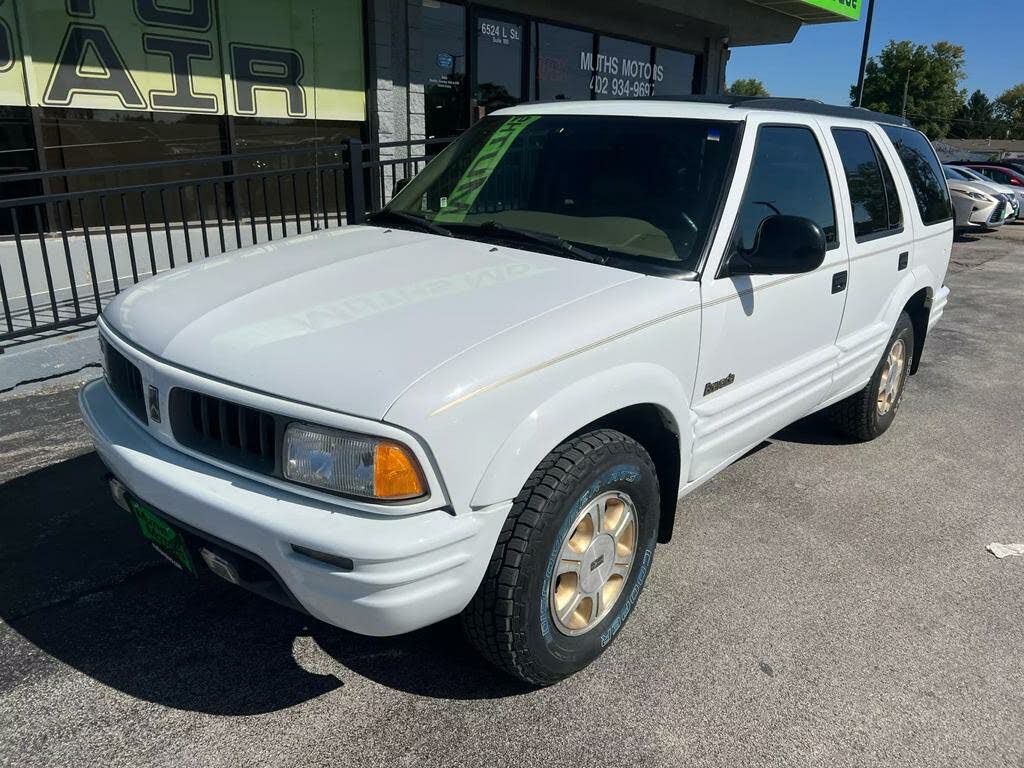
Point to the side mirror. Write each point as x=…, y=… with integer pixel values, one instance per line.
x=784, y=245
x=401, y=184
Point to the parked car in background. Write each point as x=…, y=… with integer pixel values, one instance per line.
x=969, y=174
x=489, y=400
x=1014, y=164
x=977, y=205
x=1000, y=174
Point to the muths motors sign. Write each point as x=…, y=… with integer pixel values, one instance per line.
x=271, y=58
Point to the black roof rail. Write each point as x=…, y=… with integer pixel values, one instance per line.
x=784, y=104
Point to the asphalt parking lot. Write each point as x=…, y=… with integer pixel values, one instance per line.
x=822, y=604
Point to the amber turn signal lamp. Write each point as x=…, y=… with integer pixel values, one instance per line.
x=396, y=473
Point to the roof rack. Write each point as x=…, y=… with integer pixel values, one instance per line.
x=783, y=104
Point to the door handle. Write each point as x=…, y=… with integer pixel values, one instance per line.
x=839, y=282
x=904, y=259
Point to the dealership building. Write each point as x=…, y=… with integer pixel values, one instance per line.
x=96, y=82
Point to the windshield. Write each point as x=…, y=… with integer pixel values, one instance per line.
x=956, y=174
x=973, y=175
x=634, y=190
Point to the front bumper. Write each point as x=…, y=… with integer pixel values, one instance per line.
x=988, y=215
x=407, y=571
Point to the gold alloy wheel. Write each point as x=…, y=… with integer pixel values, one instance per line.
x=892, y=377
x=594, y=561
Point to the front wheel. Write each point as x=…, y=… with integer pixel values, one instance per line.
x=571, y=559
x=867, y=414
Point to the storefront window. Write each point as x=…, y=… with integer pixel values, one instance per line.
x=499, y=63
x=76, y=138
x=79, y=138
x=674, y=73
x=289, y=194
x=622, y=69
x=563, y=63
x=443, y=29
x=17, y=155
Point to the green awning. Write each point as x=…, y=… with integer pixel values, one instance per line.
x=816, y=11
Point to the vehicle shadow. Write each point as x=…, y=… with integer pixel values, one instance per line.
x=78, y=582
x=815, y=429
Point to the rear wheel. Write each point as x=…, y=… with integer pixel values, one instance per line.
x=870, y=412
x=570, y=561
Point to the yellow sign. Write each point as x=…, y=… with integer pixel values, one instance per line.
x=268, y=58
x=12, y=75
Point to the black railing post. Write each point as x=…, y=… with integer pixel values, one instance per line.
x=355, y=194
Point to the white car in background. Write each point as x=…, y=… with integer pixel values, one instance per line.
x=489, y=400
x=977, y=205
x=969, y=174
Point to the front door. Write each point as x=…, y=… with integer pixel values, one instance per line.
x=768, y=342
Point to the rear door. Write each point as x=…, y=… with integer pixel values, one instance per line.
x=881, y=250
x=768, y=341
x=932, y=211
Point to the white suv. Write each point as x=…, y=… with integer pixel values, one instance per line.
x=489, y=400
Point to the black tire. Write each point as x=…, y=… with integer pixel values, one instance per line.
x=858, y=416
x=503, y=621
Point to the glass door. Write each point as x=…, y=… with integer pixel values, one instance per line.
x=443, y=30
x=499, y=58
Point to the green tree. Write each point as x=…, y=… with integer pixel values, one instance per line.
x=1010, y=107
x=749, y=86
x=927, y=80
x=977, y=119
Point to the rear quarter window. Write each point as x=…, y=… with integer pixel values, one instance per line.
x=925, y=173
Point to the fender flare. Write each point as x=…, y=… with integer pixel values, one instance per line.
x=573, y=408
x=918, y=279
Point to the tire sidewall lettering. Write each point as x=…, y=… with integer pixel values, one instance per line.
x=608, y=635
x=622, y=473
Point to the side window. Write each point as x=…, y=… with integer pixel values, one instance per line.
x=924, y=172
x=892, y=197
x=876, y=205
x=1001, y=176
x=787, y=176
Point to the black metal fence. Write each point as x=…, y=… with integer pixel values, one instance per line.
x=67, y=250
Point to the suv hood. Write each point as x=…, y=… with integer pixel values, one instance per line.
x=346, y=319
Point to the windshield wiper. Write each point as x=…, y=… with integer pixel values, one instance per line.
x=420, y=222
x=551, y=241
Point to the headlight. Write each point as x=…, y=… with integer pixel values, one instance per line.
x=975, y=195
x=351, y=464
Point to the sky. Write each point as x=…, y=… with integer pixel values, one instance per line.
x=822, y=62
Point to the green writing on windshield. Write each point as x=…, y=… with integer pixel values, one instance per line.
x=468, y=187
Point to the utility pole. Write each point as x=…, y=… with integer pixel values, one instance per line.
x=864, y=52
x=906, y=91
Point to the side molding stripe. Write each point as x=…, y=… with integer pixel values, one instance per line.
x=540, y=366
